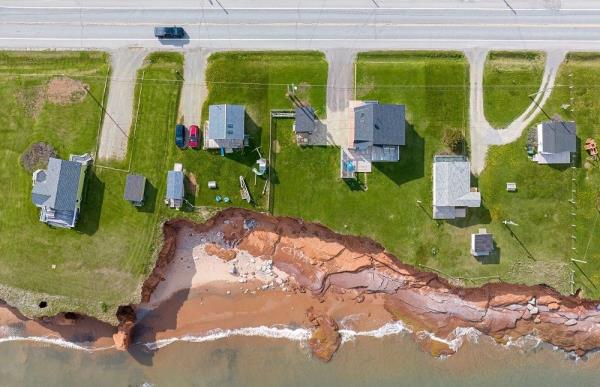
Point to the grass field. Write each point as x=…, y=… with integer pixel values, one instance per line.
x=541, y=207
x=258, y=81
x=509, y=77
x=101, y=263
x=434, y=88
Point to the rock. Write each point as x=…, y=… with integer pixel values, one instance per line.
x=233, y=270
x=534, y=310
x=228, y=292
x=554, y=306
x=570, y=322
x=242, y=280
x=246, y=291
x=537, y=320
x=325, y=338
x=279, y=281
x=127, y=317
x=530, y=307
x=218, y=251
x=360, y=298
x=532, y=301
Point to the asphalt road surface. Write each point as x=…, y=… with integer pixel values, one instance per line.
x=268, y=24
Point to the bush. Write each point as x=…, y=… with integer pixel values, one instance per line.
x=454, y=140
x=36, y=156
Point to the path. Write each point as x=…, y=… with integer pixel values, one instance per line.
x=340, y=90
x=193, y=92
x=482, y=133
x=119, y=107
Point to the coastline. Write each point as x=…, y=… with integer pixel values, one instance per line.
x=245, y=273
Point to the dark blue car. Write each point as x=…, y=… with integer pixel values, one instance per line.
x=180, y=136
x=169, y=32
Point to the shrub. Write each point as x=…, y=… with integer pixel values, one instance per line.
x=37, y=155
x=454, y=140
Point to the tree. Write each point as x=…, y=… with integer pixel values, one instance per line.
x=454, y=140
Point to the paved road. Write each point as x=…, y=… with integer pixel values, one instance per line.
x=360, y=24
x=119, y=107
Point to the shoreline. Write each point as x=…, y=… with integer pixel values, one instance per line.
x=247, y=273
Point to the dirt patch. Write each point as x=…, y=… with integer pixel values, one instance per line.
x=191, y=184
x=276, y=146
x=65, y=91
x=36, y=156
x=32, y=99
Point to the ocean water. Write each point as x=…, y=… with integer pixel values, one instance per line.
x=393, y=360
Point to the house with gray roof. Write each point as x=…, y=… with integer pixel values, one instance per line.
x=452, y=192
x=378, y=132
x=57, y=190
x=225, y=127
x=556, y=141
x=135, y=186
x=175, y=189
x=482, y=243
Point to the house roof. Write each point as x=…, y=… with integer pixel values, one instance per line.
x=305, y=120
x=226, y=122
x=58, y=185
x=559, y=136
x=452, y=183
x=379, y=124
x=482, y=242
x=175, y=185
x=134, y=188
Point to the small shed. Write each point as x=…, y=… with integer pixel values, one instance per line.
x=305, y=120
x=175, y=190
x=482, y=243
x=135, y=186
x=511, y=187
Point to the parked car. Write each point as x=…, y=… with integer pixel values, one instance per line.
x=180, y=136
x=194, y=137
x=169, y=32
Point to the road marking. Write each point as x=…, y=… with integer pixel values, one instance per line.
x=382, y=9
x=174, y=41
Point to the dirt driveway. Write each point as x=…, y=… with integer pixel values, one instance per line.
x=119, y=107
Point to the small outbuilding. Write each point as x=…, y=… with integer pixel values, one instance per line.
x=557, y=139
x=175, y=190
x=305, y=124
x=135, y=186
x=482, y=243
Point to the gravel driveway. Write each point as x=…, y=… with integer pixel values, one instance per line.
x=194, y=90
x=119, y=107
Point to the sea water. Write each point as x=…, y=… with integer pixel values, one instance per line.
x=239, y=360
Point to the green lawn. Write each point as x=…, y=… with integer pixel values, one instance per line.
x=107, y=256
x=509, y=77
x=541, y=207
x=434, y=87
x=259, y=81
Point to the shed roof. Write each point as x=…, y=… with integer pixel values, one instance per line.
x=226, y=122
x=452, y=182
x=379, y=124
x=134, y=188
x=482, y=242
x=58, y=185
x=559, y=136
x=305, y=120
x=175, y=185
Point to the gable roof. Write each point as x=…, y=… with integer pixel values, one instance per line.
x=175, y=185
x=134, y=188
x=305, y=120
x=452, y=182
x=482, y=242
x=379, y=124
x=559, y=136
x=58, y=185
x=226, y=122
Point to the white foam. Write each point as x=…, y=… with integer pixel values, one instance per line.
x=293, y=334
x=393, y=328
x=53, y=341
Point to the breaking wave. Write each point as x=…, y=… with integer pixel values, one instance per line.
x=53, y=341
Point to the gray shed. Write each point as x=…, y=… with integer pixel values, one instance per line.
x=174, y=196
x=558, y=136
x=135, y=186
x=482, y=243
x=305, y=120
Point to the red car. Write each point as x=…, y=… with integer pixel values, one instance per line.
x=194, y=137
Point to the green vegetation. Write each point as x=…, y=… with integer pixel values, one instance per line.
x=509, y=77
x=383, y=204
x=100, y=264
x=541, y=249
x=258, y=80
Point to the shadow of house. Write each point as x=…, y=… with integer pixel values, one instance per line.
x=91, y=208
x=475, y=216
x=411, y=165
x=150, y=196
x=492, y=259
